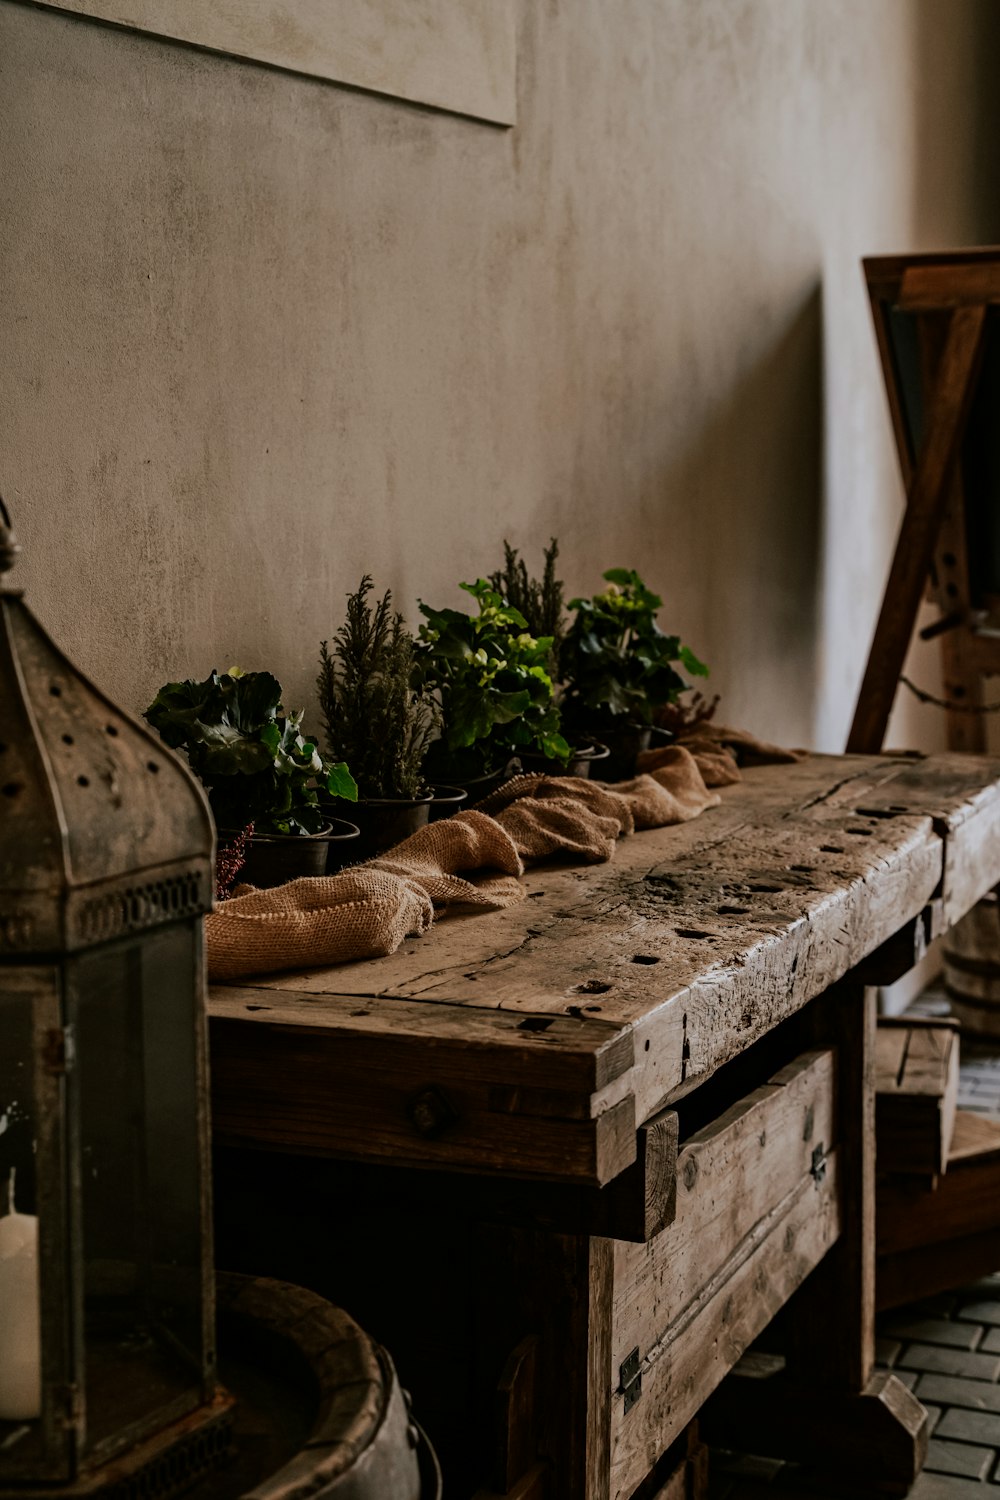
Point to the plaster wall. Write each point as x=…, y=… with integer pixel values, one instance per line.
x=261, y=334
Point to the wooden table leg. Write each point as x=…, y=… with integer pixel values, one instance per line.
x=830, y=1406
x=558, y=1288
x=831, y=1320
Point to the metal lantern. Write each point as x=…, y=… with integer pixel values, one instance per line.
x=107, y=1358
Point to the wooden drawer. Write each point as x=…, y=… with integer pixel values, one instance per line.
x=757, y=1208
x=916, y=1091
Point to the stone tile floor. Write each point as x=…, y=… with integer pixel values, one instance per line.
x=947, y=1349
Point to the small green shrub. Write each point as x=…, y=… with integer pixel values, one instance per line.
x=540, y=601
x=373, y=716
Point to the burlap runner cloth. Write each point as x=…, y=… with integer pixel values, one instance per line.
x=473, y=859
x=324, y=920
x=433, y=858
x=738, y=746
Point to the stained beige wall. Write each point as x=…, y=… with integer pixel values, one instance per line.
x=260, y=334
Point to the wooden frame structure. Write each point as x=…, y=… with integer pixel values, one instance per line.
x=935, y=323
x=568, y=1160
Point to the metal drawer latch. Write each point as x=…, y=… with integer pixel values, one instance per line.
x=630, y=1380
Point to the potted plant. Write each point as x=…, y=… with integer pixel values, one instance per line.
x=620, y=667
x=257, y=767
x=541, y=602
x=375, y=719
x=492, y=681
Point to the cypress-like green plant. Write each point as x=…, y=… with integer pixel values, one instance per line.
x=540, y=601
x=368, y=701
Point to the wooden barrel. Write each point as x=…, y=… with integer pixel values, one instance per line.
x=972, y=969
x=363, y=1443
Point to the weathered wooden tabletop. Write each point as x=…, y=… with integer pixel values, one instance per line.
x=530, y=1042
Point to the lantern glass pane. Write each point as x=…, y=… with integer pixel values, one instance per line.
x=20, y=1303
x=138, y=1019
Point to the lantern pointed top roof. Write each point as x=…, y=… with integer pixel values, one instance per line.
x=103, y=830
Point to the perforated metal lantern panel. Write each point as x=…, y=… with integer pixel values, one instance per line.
x=106, y=869
x=102, y=830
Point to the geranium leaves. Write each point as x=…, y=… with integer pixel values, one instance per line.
x=255, y=762
x=340, y=783
x=490, y=675
x=619, y=663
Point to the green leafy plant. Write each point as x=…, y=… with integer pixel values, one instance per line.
x=540, y=601
x=373, y=716
x=251, y=756
x=490, y=674
x=618, y=663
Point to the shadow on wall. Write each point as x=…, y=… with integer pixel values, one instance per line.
x=753, y=476
x=942, y=194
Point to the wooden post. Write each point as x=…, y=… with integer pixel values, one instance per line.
x=831, y=1319
x=962, y=654
x=927, y=498
x=557, y=1287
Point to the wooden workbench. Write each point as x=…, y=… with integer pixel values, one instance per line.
x=590, y=1146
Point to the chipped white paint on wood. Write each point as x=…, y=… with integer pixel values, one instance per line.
x=457, y=55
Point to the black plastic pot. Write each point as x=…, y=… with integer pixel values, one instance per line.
x=659, y=737
x=385, y=821
x=580, y=761
x=481, y=786
x=626, y=745
x=598, y=759
x=273, y=859
x=623, y=744
x=447, y=800
x=342, y=846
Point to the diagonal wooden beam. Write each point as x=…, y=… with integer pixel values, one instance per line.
x=947, y=412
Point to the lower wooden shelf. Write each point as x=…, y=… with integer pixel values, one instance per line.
x=941, y=1232
x=916, y=1091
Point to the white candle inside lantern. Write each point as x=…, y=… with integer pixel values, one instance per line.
x=20, y=1317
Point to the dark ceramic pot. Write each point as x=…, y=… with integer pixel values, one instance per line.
x=274, y=859
x=447, y=800
x=385, y=821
